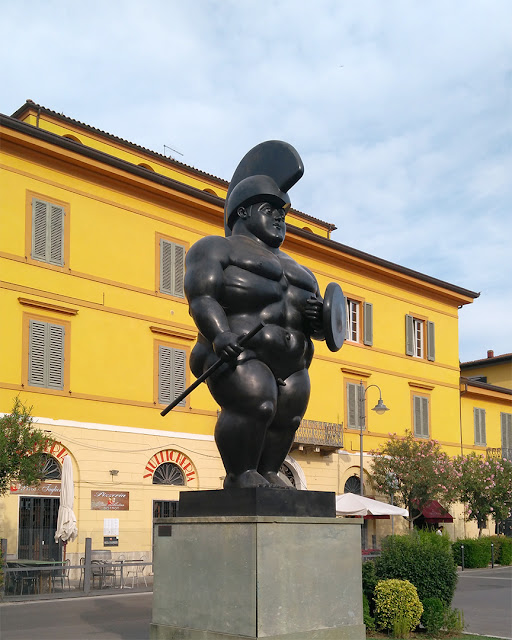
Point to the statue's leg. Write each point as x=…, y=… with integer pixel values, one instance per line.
x=291, y=406
x=247, y=395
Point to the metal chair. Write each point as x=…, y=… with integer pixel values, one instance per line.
x=28, y=578
x=135, y=573
x=62, y=575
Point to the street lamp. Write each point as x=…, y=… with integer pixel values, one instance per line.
x=379, y=408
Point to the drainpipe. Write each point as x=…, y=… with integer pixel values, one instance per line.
x=462, y=393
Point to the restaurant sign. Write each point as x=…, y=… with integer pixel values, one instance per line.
x=43, y=489
x=110, y=500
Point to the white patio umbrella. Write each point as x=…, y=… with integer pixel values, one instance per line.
x=66, y=520
x=352, y=504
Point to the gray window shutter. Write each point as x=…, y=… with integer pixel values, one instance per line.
x=172, y=268
x=171, y=374
x=179, y=270
x=353, y=406
x=506, y=435
x=46, y=355
x=431, y=341
x=56, y=239
x=479, y=422
x=368, y=324
x=38, y=230
x=55, y=358
x=36, y=353
x=420, y=409
x=409, y=335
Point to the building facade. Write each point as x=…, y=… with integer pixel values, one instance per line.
x=97, y=337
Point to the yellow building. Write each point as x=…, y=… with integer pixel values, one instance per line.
x=96, y=336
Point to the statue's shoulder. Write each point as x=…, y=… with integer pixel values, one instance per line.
x=209, y=246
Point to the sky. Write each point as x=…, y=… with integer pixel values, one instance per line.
x=400, y=110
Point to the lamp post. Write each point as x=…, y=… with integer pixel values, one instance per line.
x=379, y=408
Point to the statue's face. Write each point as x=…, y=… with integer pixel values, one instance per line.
x=266, y=221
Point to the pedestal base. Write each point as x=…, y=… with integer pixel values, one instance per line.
x=279, y=578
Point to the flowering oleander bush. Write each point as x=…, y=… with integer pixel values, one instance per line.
x=397, y=600
x=485, y=487
x=415, y=471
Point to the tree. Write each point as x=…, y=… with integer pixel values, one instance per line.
x=485, y=488
x=21, y=448
x=415, y=471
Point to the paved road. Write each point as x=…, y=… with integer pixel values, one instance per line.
x=485, y=596
x=119, y=617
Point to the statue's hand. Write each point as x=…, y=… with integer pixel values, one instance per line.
x=226, y=346
x=313, y=312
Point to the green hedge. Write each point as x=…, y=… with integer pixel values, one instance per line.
x=423, y=558
x=477, y=551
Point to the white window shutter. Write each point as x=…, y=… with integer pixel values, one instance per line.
x=409, y=335
x=431, y=341
x=37, y=353
x=39, y=227
x=55, y=358
x=368, y=324
x=56, y=232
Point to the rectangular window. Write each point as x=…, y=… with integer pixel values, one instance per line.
x=419, y=338
x=46, y=355
x=421, y=416
x=358, y=327
x=479, y=422
x=47, y=232
x=506, y=436
x=171, y=374
x=172, y=268
x=165, y=508
x=353, y=406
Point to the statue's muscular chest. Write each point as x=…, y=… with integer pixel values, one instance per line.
x=259, y=276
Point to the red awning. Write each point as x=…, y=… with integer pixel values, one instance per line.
x=434, y=512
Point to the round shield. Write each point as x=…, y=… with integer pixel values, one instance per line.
x=334, y=316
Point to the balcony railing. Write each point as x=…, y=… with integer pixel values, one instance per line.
x=499, y=452
x=322, y=436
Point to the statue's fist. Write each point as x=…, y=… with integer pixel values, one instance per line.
x=226, y=346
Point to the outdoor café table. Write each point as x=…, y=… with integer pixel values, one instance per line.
x=37, y=568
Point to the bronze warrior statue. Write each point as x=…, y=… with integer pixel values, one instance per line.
x=243, y=282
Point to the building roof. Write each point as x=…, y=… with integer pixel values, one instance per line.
x=487, y=362
x=485, y=385
x=31, y=105
x=15, y=124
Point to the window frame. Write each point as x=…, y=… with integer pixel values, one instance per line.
x=364, y=321
x=357, y=416
x=156, y=388
x=506, y=438
x=419, y=337
x=30, y=197
x=27, y=317
x=159, y=289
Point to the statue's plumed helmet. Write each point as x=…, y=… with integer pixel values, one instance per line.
x=264, y=174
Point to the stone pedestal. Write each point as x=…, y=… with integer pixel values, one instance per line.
x=274, y=577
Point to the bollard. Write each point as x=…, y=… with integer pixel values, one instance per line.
x=492, y=555
x=462, y=554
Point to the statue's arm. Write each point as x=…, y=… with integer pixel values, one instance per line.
x=204, y=282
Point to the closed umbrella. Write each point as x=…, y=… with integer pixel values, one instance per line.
x=66, y=520
x=351, y=504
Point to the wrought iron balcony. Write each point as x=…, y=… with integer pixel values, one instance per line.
x=322, y=437
x=499, y=452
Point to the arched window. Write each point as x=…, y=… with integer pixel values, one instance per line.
x=74, y=138
x=169, y=473
x=51, y=468
x=353, y=485
x=211, y=191
x=146, y=166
